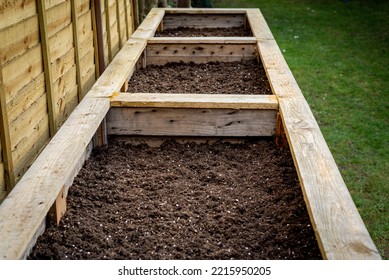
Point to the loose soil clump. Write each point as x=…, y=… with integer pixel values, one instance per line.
x=244, y=77
x=184, y=201
x=205, y=32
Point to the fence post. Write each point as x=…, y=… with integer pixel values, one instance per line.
x=47, y=66
x=9, y=176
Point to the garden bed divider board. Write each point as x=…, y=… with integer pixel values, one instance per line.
x=339, y=229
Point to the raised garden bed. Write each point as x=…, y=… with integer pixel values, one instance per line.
x=108, y=109
x=184, y=200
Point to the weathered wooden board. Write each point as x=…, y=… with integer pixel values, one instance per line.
x=58, y=17
x=191, y=122
x=258, y=25
x=61, y=42
x=26, y=97
x=15, y=11
x=18, y=73
x=19, y=38
x=149, y=25
x=171, y=21
x=54, y=168
x=207, y=51
x=3, y=190
x=206, y=101
x=339, y=229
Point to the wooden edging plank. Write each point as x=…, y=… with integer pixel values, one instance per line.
x=339, y=229
x=202, y=40
x=204, y=11
x=149, y=25
x=22, y=212
x=207, y=101
x=31, y=199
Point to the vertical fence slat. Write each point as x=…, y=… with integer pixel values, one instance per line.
x=108, y=23
x=47, y=67
x=126, y=19
x=76, y=50
x=9, y=175
x=118, y=23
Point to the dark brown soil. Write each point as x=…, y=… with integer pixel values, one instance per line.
x=205, y=32
x=184, y=201
x=244, y=77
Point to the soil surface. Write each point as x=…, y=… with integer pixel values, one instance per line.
x=184, y=201
x=244, y=77
x=205, y=32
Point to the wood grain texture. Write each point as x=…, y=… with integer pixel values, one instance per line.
x=160, y=54
x=37, y=190
x=14, y=11
x=19, y=38
x=48, y=57
x=191, y=122
x=171, y=21
x=339, y=229
x=258, y=25
x=206, y=101
x=7, y=177
x=149, y=25
x=120, y=69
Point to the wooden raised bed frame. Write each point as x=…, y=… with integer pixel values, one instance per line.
x=339, y=229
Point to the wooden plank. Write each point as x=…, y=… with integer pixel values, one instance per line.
x=85, y=26
x=26, y=98
x=20, y=71
x=203, y=40
x=5, y=138
x=76, y=41
x=65, y=96
x=83, y=6
x=17, y=11
x=171, y=21
x=340, y=231
x=18, y=39
x=26, y=123
x=3, y=189
x=120, y=69
x=160, y=54
x=59, y=207
x=32, y=140
x=47, y=59
x=63, y=64
x=52, y=3
x=61, y=42
x=58, y=18
x=86, y=45
x=258, y=25
x=191, y=122
x=149, y=25
x=127, y=18
x=206, y=101
x=119, y=22
x=55, y=167
x=98, y=37
x=204, y=11
x=108, y=31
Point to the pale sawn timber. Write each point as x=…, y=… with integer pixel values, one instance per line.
x=339, y=228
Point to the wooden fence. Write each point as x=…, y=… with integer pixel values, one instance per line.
x=51, y=53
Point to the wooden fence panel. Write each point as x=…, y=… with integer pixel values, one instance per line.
x=48, y=62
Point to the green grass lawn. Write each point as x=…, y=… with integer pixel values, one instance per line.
x=338, y=52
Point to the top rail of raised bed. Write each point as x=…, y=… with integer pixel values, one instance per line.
x=339, y=229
